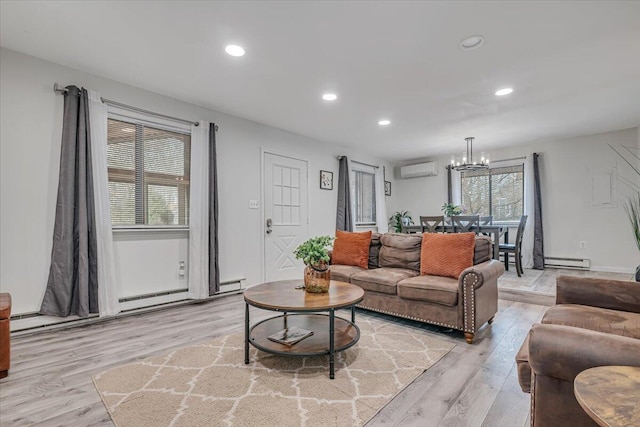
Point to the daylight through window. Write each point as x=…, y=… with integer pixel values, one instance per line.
x=365, y=195
x=496, y=191
x=148, y=174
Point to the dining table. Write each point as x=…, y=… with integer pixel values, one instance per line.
x=496, y=230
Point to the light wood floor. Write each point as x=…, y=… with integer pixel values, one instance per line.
x=50, y=378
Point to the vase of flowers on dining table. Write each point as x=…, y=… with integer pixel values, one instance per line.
x=449, y=210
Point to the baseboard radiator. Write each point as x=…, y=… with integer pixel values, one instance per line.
x=574, y=263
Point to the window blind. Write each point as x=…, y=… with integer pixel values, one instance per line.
x=148, y=171
x=365, y=195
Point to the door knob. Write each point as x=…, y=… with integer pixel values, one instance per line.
x=269, y=224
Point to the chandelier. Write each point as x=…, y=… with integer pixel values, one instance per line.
x=468, y=162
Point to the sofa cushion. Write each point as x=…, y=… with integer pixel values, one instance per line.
x=400, y=251
x=382, y=280
x=374, y=250
x=351, y=248
x=483, y=249
x=440, y=290
x=597, y=319
x=447, y=254
x=343, y=273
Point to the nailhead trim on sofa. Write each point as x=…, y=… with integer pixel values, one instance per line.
x=465, y=284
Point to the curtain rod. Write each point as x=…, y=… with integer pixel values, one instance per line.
x=59, y=89
x=508, y=160
x=360, y=163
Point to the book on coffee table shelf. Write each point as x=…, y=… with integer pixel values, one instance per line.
x=290, y=336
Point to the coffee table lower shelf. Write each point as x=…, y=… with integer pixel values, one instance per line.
x=346, y=334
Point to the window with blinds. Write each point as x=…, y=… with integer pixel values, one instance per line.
x=148, y=174
x=365, y=198
x=496, y=191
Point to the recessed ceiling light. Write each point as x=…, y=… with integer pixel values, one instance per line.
x=329, y=96
x=472, y=42
x=234, y=50
x=503, y=92
x=384, y=122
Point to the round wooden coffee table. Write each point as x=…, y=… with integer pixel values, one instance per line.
x=331, y=333
x=610, y=395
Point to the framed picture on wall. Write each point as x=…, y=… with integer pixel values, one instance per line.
x=326, y=180
x=387, y=188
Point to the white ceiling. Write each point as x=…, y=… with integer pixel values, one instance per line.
x=575, y=66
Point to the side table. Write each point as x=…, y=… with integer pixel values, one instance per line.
x=610, y=395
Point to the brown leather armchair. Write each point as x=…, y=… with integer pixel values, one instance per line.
x=595, y=322
x=5, y=344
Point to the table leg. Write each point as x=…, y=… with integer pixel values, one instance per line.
x=332, y=318
x=246, y=333
x=353, y=314
x=285, y=320
x=496, y=244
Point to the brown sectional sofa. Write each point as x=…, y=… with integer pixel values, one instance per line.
x=595, y=322
x=393, y=284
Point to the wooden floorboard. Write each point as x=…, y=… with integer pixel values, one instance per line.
x=450, y=389
x=50, y=381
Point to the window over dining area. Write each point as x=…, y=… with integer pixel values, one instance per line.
x=497, y=191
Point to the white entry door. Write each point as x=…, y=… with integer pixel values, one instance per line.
x=286, y=216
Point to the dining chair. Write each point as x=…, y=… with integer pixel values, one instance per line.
x=430, y=224
x=515, y=248
x=486, y=220
x=465, y=223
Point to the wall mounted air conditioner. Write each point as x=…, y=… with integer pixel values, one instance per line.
x=420, y=169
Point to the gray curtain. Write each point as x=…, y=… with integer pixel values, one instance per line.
x=449, y=186
x=72, y=287
x=214, y=269
x=538, y=238
x=344, y=221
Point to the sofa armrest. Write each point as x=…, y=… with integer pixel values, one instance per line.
x=563, y=352
x=478, y=291
x=612, y=294
x=479, y=274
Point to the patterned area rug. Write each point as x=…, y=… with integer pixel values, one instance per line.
x=209, y=384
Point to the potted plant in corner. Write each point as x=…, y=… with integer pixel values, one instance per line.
x=633, y=212
x=400, y=219
x=315, y=255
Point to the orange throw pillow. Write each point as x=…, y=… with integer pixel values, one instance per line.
x=446, y=254
x=351, y=248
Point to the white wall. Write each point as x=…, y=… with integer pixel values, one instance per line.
x=568, y=215
x=30, y=130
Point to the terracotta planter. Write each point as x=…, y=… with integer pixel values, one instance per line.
x=317, y=278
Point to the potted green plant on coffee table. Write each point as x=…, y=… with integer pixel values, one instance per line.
x=315, y=255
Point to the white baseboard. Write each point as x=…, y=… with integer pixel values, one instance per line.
x=146, y=302
x=613, y=269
